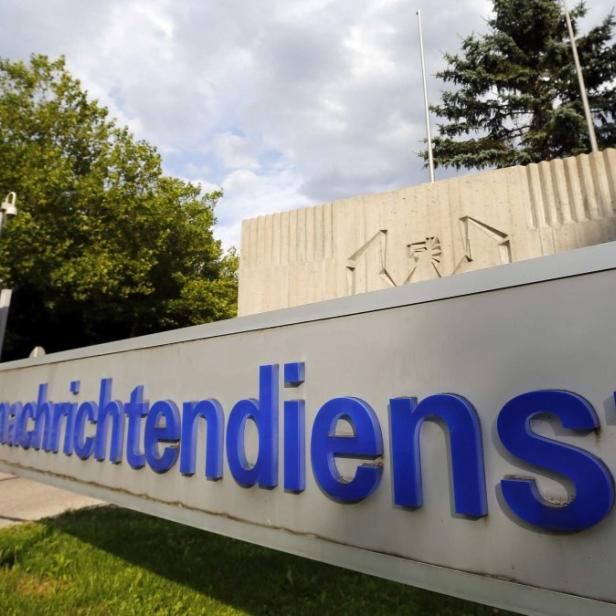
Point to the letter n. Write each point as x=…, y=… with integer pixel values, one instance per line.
x=464, y=428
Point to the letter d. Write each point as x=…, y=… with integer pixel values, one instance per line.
x=264, y=413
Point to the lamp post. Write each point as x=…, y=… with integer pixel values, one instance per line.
x=8, y=209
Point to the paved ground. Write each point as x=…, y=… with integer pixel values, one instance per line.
x=22, y=500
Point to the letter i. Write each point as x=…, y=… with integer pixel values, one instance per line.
x=75, y=388
x=294, y=432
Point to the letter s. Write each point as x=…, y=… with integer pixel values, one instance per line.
x=594, y=485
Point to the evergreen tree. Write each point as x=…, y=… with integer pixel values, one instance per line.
x=516, y=98
x=104, y=246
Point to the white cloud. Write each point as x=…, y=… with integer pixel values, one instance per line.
x=282, y=103
x=235, y=152
x=249, y=194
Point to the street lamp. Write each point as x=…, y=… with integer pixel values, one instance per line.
x=8, y=209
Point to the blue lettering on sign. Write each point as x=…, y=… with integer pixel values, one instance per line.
x=110, y=412
x=136, y=409
x=264, y=413
x=211, y=412
x=87, y=412
x=406, y=419
x=157, y=435
x=162, y=426
x=366, y=443
x=594, y=486
x=294, y=432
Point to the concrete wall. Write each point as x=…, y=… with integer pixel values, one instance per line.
x=424, y=232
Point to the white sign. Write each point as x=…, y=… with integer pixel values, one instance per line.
x=457, y=435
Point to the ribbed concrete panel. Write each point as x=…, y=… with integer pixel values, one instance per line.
x=428, y=231
x=589, y=188
x=576, y=192
x=609, y=157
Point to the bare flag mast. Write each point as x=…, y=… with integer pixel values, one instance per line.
x=578, y=69
x=426, y=102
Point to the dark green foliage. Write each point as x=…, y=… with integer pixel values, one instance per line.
x=516, y=98
x=113, y=561
x=105, y=246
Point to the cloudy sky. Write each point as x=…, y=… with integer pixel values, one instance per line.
x=283, y=103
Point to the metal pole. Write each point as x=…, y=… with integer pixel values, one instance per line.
x=5, y=303
x=426, y=103
x=578, y=68
x=5, y=299
x=6, y=209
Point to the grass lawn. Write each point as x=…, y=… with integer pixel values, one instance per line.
x=118, y=562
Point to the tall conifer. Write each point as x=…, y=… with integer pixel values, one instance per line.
x=515, y=97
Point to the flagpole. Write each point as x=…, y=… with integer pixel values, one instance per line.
x=578, y=68
x=426, y=102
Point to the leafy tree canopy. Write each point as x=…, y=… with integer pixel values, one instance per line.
x=516, y=98
x=104, y=246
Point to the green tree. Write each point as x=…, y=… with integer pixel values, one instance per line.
x=105, y=246
x=516, y=98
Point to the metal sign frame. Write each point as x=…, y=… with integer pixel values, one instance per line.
x=587, y=270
